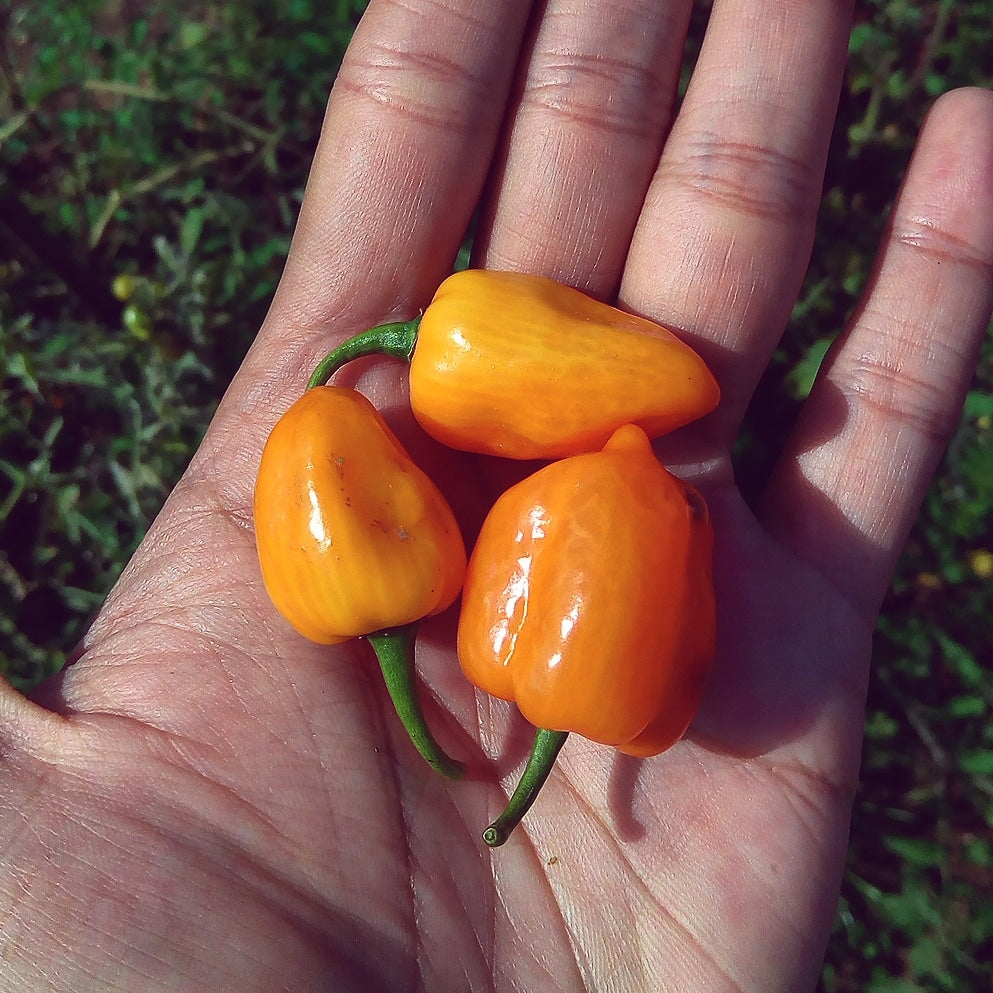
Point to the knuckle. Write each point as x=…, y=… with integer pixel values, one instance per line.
x=409, y=74
x=597, y=91
x=931, y=240
x=747, y=177
x=912, y=391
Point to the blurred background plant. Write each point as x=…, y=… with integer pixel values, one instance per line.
x=152, y=159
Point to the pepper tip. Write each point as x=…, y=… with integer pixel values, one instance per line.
x=494, y=836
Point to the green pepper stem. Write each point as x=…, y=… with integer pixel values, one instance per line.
x=395, y=650
x=547, y=745
x=396, y=340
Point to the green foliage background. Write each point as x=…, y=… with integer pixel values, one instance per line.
x=152, y=160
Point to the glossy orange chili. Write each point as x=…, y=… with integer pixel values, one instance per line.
x=354, y=539
x=516, y=365
x=589, y=602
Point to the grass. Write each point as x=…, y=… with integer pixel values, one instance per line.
x=152, y=160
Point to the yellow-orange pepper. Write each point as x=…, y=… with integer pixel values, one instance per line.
x=589, y=602
x=354, y=540
x=516, y=365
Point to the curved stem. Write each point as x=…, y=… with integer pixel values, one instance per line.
x=547, y=745
x=395, y=650
x=396, y=340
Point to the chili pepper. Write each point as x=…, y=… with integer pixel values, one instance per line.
x=510, y=364
x=588, y=601
x=354, y=540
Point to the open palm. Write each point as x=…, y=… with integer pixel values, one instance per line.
x=204, y=801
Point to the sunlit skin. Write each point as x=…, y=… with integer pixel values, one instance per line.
x=206, y=800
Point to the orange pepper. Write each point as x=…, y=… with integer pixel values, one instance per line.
x=589, y=602
x=354, y=540
x=516, y=365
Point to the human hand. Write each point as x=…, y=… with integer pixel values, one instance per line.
x=203, y=801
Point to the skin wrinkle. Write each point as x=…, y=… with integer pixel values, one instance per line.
x=927, y=237
x=807, y=467
x=14, y=840
x=170, y=621
x=875, y=386
x=559, y=81
x=312, y=907
x=523, y=228
x=192, y=525
x=122, y=612
x=538, y=875
x=906, y=384
x=168, y=742
x=583, y=964
x=500, y=904
x=934, y=268
x=599, y=824
x=490, y=739
x=743, y=106
x=419, y=954
x=428, y=9
x=217, y=499
x=90, y=826
x=150, y=964
x=299, y=904
x=385, y=73
x=402, y=830
x=795, y=797
x=326, y=777
x=681, y=925
x=425, y=885
x=427, y=964
x=741, y=300
x=203, y=768
x=801, y=802
x=756, y=180
x=485, y=955
x=849, y=487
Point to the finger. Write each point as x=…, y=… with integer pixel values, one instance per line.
x=403, y=154
x=724, y=238
x=879, y=417
x=593, y=103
